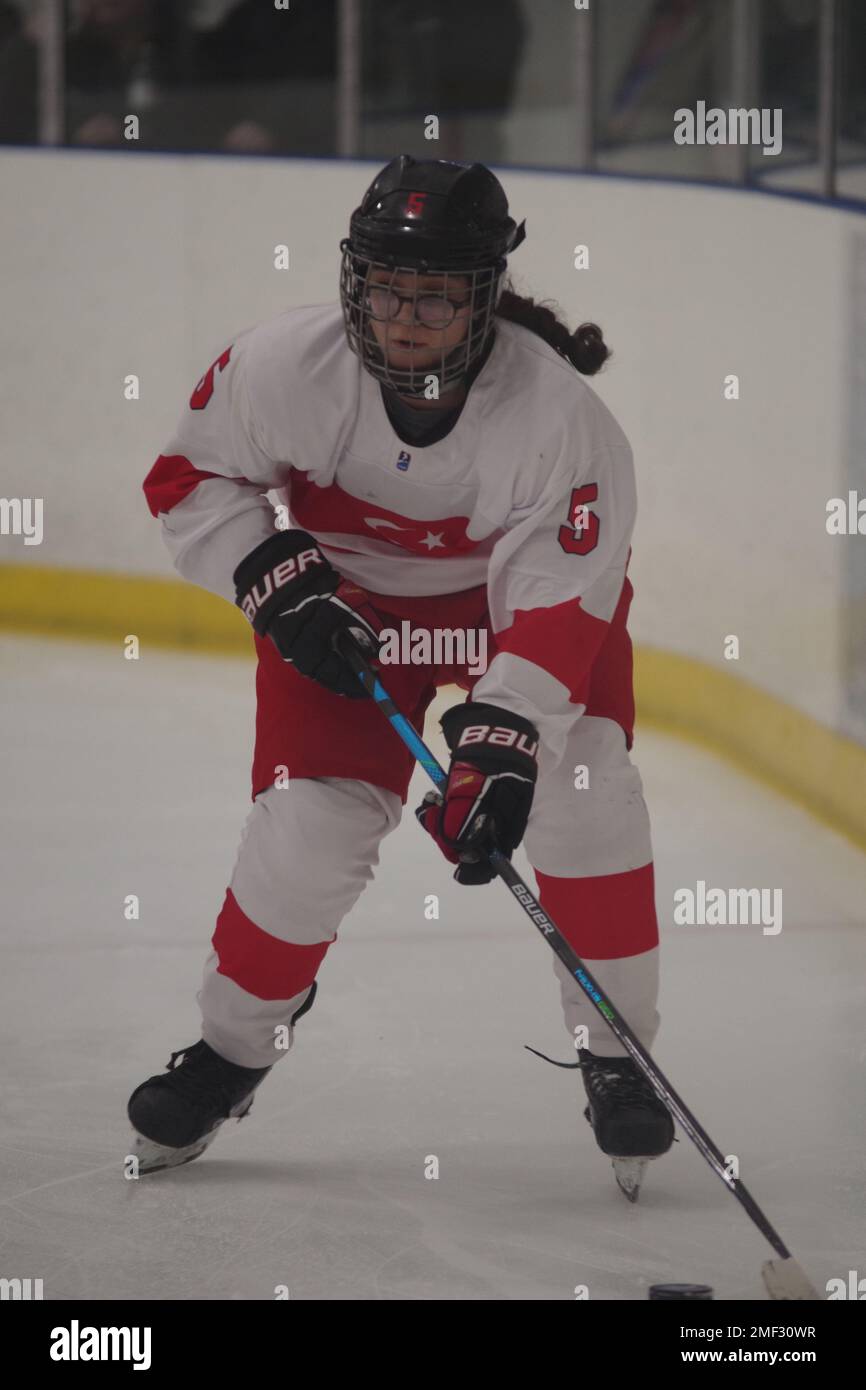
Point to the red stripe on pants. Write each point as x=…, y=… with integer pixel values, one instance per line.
x=604, y=918
x=260, y=963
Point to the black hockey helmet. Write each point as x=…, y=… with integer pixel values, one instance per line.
x=427, y=217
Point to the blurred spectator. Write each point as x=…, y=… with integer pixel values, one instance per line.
x=10, y=21
x=443, y=56
x=789, y=62
x=257, y=42
x=124, y=58
x=669, y=63
x=257, y=80
x=852, y=114
x=455, y=60
x=270, y=77
x=19, y=80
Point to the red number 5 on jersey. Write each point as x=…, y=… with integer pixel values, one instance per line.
x=580, y=535
x=204, y=390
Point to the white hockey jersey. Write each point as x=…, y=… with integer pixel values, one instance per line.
x=531, y=493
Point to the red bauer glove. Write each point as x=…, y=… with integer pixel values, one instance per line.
x=491, y=783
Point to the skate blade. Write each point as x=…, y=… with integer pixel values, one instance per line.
x=629, y=1175
x=785, y=1280
x=153, y=1157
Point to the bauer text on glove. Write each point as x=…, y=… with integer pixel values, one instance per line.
x=491, y=783
x=292, y=594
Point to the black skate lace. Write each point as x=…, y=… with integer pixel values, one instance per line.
x=552, y=1060
x=606, y=1072
x=191, y=1079
x=629, y=1087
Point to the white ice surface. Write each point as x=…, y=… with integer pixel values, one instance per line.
x=132, y=777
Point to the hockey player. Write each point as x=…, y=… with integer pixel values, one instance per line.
x=443, y=462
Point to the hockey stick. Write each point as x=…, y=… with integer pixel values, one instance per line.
x=784, y=1278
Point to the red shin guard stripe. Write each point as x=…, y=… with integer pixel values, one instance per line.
x=260, y=963
x=604, y=918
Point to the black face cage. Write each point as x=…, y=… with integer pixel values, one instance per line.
x=454, y=363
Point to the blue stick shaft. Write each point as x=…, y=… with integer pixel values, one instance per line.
x=559, y=944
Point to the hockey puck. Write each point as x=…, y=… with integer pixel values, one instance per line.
x=664, y=1292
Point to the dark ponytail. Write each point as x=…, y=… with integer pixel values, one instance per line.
x=585, y=348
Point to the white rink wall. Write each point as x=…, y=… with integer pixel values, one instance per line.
x=150, y=264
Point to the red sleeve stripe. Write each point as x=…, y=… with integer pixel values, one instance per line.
x=170, y=480
x=563, y=640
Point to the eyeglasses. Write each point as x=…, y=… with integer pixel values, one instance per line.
x=433, y=310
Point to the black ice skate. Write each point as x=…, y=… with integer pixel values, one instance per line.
x=177, y=1114
x=630, y=1123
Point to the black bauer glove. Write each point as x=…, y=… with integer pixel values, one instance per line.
x=491, y=783
x=292, y=594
